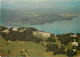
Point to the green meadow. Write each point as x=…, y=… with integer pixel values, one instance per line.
x=34, y=49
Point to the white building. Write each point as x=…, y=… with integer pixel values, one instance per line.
x=46, y=34
x=20, y=30
x=38, y=32
x=6, y=30
x=35, y=32
x=24, y=29
x=41, y=32
x=14, y=29
x=74, y=35
x=74, y=43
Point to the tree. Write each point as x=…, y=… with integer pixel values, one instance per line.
x=37, y=40
x=2, y=28
x=78, y=48
x=70, y=53
x=50, y=40
x=51, y=47
x=65, y=38
x=26, y=35
x=59, y=50
x=78, y=34
x=3, y=42
x=55, y=52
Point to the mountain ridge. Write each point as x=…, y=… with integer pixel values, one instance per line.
x=14, y=17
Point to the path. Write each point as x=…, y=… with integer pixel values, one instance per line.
x=27, y=55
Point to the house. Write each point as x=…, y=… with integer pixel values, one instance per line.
x=6, y=31
x=38, y=32
x=23, y=49
x=74, y=43
x=74, y=35
x=14, y=29
x=35, y=32
x=20, y=30
x=46, y=34
x=74, y=50
x=24, y=29
x=41, y=32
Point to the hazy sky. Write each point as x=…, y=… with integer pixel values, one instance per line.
x=38, y=0
x=40, y=4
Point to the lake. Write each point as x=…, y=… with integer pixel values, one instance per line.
x=59, y=27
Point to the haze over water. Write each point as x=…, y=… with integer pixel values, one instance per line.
x=61, y=27
x=56, y=7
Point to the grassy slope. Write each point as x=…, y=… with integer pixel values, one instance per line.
x=78, y=52
x=34, y=49
x=40, y=36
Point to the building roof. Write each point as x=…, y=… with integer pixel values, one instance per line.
x=75, y=43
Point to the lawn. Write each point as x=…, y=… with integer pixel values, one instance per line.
x=34, y=49
x=40, y=36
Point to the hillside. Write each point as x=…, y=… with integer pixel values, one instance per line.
x=22, y=42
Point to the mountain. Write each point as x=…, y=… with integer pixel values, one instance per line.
x=9, y=14
x=29, y=18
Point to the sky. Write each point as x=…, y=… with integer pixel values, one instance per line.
x=38, y=0
x=40, y=4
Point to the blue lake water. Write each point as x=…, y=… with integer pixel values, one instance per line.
x=59, y=27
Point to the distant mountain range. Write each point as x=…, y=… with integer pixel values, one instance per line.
x=12, y=17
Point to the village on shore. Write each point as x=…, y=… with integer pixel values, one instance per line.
x=75, y=43
x=44, y=34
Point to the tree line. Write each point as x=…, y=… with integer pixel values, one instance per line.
x=60, y=50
